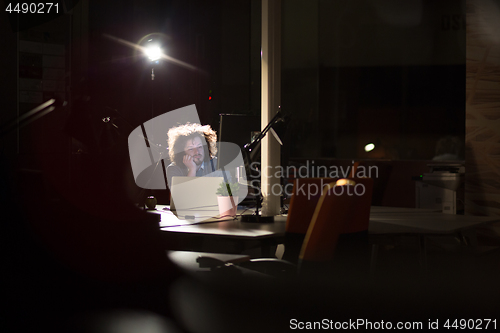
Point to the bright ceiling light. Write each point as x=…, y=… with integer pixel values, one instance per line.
x=153, y=52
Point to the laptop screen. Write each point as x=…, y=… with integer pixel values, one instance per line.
x=195, y=196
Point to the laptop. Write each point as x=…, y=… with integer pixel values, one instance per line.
x=194, y=198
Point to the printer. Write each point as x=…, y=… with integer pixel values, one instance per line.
x=442, y=188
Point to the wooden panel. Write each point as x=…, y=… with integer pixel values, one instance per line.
x=482, y=184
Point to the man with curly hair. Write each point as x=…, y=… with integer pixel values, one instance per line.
x=192, y=149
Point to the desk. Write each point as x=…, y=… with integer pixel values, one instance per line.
x=394, y=220
x=422, y=223
x=384, y=221
x=266, y=234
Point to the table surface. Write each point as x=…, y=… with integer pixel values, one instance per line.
x=225, y=227
x=396, y=220
x=383, y=221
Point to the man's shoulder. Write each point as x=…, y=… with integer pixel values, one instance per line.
x=173, y=170
x=172, y=167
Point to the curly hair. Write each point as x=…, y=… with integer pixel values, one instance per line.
x=180, y=135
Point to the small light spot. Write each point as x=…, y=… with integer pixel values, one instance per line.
x=369, y=147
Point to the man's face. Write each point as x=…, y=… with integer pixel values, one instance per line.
x=195, y=149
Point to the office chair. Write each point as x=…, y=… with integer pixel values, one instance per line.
x=332, y=213
x=337, y=207
x=303, y=205
x=347, y=237
x=305, y=196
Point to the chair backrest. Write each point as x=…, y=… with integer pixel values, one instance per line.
x=362, y=198
x=305, y=196
x=333, y=211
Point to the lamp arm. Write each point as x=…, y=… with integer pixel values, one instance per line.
x=252, y=145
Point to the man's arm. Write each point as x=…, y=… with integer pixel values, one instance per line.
x=173, y=171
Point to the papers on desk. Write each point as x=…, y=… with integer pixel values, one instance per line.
x=169, y=219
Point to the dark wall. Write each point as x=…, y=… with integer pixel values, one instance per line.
x=403, y=109
x=373, y=72
x=213, y=37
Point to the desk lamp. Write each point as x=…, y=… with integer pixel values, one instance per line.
x=248, y=154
